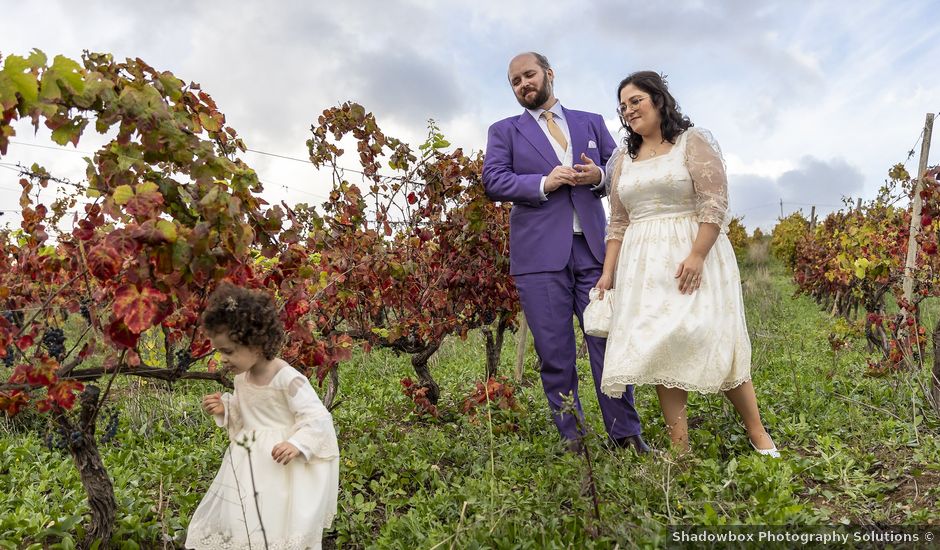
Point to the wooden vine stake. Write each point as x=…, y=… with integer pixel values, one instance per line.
x=916, y=211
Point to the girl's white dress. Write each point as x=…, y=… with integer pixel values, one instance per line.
x=297, y=500
x=696, y=342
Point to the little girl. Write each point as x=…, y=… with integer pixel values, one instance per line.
x=283, y=460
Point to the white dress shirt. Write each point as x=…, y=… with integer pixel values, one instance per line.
x=564, y=157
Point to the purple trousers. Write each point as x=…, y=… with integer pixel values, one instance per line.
x=549, y=299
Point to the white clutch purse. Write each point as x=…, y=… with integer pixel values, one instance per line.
x=597, y=314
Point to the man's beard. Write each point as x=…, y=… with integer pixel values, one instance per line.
x=541, y=95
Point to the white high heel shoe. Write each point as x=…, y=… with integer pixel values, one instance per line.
x=772, y=452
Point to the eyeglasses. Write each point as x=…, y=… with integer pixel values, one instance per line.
x=632, y=104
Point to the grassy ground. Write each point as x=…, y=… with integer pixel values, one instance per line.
x=856, y=450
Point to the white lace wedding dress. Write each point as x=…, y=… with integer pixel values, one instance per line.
x=297, y=500
x=696, y=342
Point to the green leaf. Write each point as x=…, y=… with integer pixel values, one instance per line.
x=26, y=85
x=70, y=132
x=69, y=72
x=172, y=86
x=357, y=111
x=36, y=58
x=182, y=254
x=210, y=197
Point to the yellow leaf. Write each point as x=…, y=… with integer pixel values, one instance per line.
x=122, y=194
x=168, y=229
x=147, y=187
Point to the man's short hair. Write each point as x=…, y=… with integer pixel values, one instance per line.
x=541, y=60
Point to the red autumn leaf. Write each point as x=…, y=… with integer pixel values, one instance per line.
x=19, y=374
x=123, y=242
x=85, y=230
x=104, y=262
x=298, y=307
x=412, y=198
x=24, y=342
x=151, y=233
x=290, y=236
x=198, y=348
x=63, y=393
x=13, y=403
x=41, y=377
x=120, y=335
x=87, y=350
x=144, y=203
x=140, y=309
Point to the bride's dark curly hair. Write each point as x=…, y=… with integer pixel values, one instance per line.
x=673, y=121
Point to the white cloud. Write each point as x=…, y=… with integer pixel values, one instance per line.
x=834, y=80
x=768, y=168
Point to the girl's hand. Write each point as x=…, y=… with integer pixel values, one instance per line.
x=690, y=273
x=284, y=452
x=212, y=404
x=604, y=283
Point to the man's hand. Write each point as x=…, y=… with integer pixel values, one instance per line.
x=560, y=175
x=284, y=452
x=587, y=173
x=212, y=404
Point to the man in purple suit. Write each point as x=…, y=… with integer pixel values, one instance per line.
x=556, y=235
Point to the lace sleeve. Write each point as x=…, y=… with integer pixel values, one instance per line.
x=313, y=432
x=231, y=419
x=619, y=220
x=709, y=179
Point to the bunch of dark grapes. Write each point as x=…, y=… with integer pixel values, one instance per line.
x=184, y=359
x=8, y=358
x=54, y=342
x=110, y=429
x=84, y=309
x=59, y=440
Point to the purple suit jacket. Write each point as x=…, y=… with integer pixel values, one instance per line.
x=518, y=155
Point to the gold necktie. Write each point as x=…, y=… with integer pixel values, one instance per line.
x=554, y=130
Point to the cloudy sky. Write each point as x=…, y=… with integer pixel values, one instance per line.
x=810, y=101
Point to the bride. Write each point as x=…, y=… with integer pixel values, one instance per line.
x=678, y=318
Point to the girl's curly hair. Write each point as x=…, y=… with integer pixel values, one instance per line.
x=250, y=317
x=672, y=121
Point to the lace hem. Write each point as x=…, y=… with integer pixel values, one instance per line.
x=715, y=219
x=223, y=541
x=616, y=385
x=713, y=210
x=615, y=236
